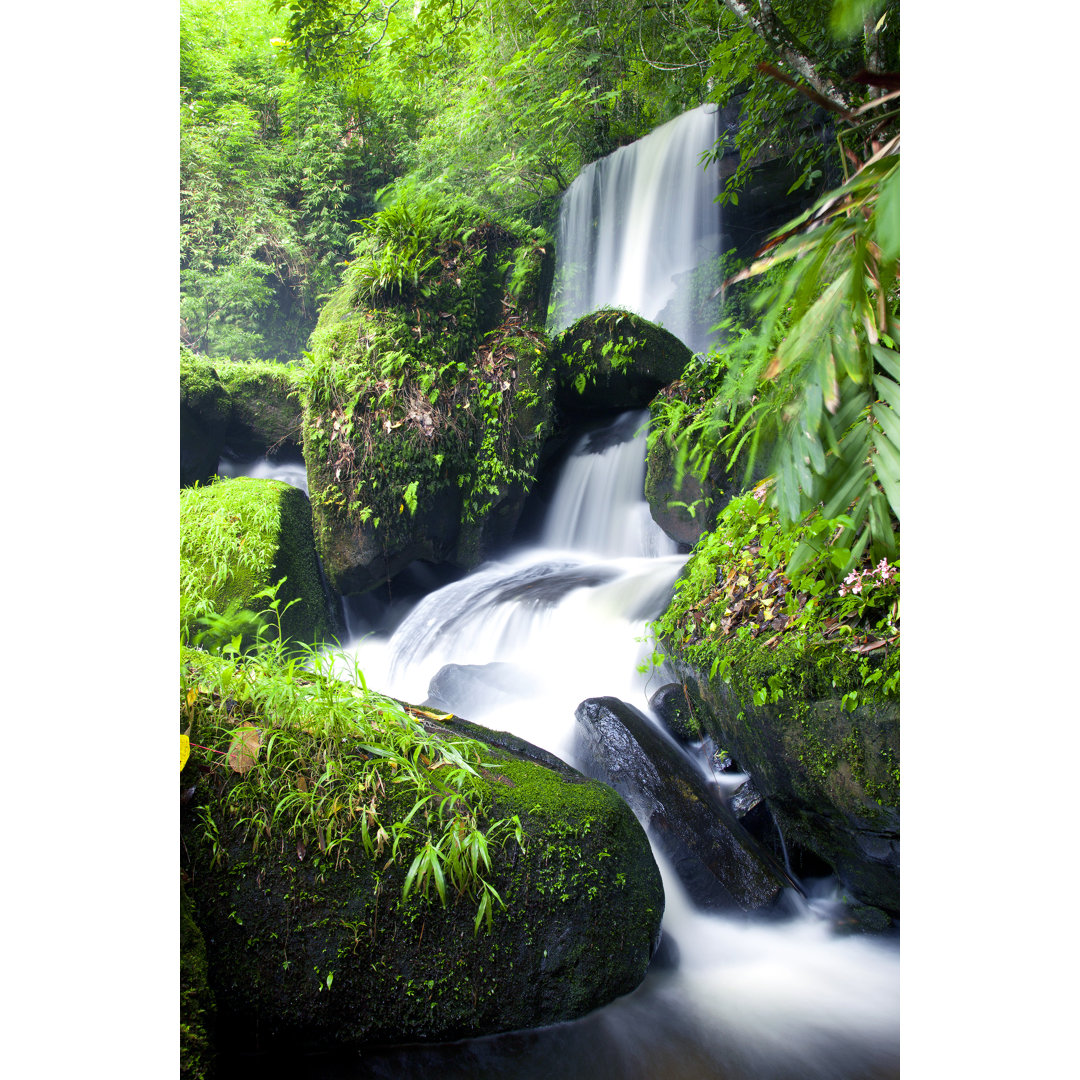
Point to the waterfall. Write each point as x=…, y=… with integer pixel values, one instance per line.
x=634, y=223
x=598, y=506
x=527, y=639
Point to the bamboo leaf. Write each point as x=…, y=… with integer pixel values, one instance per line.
x=888, y=390
x=888, y=359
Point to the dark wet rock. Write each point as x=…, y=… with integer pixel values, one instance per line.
x=647, y=357
x=673, y=707
x=720, y=864
x=745, y=798
x=584, y=901
x=666, y=957
x=469, y=688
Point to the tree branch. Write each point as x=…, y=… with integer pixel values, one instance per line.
x=769, y=27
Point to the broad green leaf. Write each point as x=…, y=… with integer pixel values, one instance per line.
x=888, y=359
x=847, y=16
x=888, y=470
x=849, y=487
x=887, y=218
x=890, y=423
x=889, y=391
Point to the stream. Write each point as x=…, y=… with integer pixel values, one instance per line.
x=565, y=620
x=520, y=642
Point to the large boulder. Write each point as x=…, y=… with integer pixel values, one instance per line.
x=829, y=775
x=722, y=866
x=801, y=688
x=248, y=407
x=429, y=394
x=612, y=359
x=310, y=939
x=241, y=536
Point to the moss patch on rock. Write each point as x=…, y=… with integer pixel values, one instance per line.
x=251, y=406
x=799, y=680
x=241, y=536
x=310, y=936
x=429, y=395
x=613, y=359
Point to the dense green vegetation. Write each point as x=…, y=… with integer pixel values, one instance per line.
x=293, y=119
x=368, y=199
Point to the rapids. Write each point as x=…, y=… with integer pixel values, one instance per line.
x=565, y=620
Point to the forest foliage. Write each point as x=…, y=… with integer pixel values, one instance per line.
x=300, y=118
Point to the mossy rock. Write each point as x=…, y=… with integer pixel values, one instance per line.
x=196, y=1001
x=313, y=953
x=250, y=406
x=612, y=359
x=800, y=686
x=240, y=536
x=427, y=403
x=265, y=410
x=830, y=775
x=204, y=418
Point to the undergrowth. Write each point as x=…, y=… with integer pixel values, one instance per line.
x=427, y=367
x=339, y=770
x=738, y=615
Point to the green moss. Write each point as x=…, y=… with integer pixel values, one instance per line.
x=427, y=399
x=313, y=940
x=263, y=400
x=237, y=537
x=202, y=390
x=196, y=1001
x=613, y=358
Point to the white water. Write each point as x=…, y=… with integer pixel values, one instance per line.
x=747, y=1001
x=634, y=221
x=292, y=472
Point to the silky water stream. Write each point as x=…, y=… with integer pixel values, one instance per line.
x=536, y=633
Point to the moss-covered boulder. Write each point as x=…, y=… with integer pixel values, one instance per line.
x=250, y=406
x=613, y=359
x=798, y=681
x=310, y=937
x=204, y=417
x=429, y=395
x=241, y=536
x=683, y=503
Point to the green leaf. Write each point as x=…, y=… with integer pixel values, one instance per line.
x=888, y=470
x=888, y=390
x=888, y=359
x=887, y=218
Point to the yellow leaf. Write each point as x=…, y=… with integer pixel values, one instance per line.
x=185, y=750
x=191, y=696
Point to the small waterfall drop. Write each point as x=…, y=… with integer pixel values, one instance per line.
x=633, y=222
x=598, y=506
x=293, y=473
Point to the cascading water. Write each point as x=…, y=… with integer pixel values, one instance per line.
x=632, y=223
x=292, y=472
x=529, y=638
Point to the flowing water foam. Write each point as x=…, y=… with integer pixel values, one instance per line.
x=542, y=630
